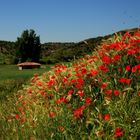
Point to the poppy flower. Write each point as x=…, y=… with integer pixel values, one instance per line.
x=16, y=116
x=116, y=92
x=106, y=117
x=118, y=132
x=51, y=114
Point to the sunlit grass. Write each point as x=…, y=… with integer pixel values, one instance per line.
x=96, y=97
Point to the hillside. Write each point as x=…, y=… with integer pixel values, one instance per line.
x=55, y=52
x=96, y=97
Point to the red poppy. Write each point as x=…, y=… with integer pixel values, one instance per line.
x=106, y=117
x=80, y=81
x=103, y=86
x=35, y=75
x=106, y=59
x=117, y=57
x=83, y=71
x=87, y=100
x=78, y=112
x=101, y=116
x=127, y=81
x=16, y=116
x=134, y=69
x=122, y=80
x=118, y=132
x=51, y=114
x=61, y=128
x=81, y=93
x=103, y=68
x=127, y=68
x=109, y=91
x=116, y=92
x=57, y=101
x=70, y=92
x=51, y=82
x=93, y=72
x=65, y=79
x=22, y=120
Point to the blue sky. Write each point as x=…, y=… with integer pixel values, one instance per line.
x=67, y=20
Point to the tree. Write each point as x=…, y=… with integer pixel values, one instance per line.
x=28, y=46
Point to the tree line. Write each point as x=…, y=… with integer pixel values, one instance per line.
x=28, y=48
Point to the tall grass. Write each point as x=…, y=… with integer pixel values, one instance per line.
x=97, y=97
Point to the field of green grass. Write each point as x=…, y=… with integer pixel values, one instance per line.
x=11, y=72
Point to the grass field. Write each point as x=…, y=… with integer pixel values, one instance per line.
x=12, y=79
x=11, y=72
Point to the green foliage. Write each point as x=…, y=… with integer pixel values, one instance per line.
x=7, y=52
x=28, y=46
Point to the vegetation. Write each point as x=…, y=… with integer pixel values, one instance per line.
x=50, y=53
x=28, y=46
x=7, y=52
x=11, y=79
x=96, y=97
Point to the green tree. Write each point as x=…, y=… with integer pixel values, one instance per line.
x=28, y=46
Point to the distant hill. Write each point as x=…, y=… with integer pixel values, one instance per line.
x=55, y=52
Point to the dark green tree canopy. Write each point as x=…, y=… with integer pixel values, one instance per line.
x=28, y=46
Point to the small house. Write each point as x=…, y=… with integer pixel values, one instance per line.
x=28, y=65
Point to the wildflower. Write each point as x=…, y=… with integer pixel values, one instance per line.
x=22, y=120
x=70, y=92
x=78, y=112
x=35, y=75
x=101, y=116
x=62, y=98
x=16, y=116
x=57, y=101
x=118, y=132
x=81, y=93
x=127, y=68
x=39, y=83
x=137, y=57
x=51, y=114
x=43, y=93
x=139, y=94
x=109, y=91
x=103, y=86
x=80, y=81
x=83, y=71
x=133, y=70
x=61, y=128
x=117, y=57
x=127, y=81
x=122, y=80
x=78, y=86
x=106, y=59
x=93, y=72
x=116, y=92
x=65, y=79
x=88, y=100
x=103, y=68
x=106, y=117
x=51, y=95
x=51, y=82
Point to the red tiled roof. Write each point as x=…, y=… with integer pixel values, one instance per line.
x=29, y=64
